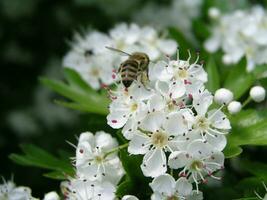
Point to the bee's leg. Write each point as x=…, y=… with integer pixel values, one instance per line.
x=119, y=72
x=144, y=79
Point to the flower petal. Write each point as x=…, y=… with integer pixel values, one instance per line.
x=164, y=184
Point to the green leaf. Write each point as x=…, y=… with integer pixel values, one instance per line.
x=37, y=157
x=230, y=152
x=256, y=168
x=124, y=188
x=58, y=175
x=213, y=76
x=90, y=101
x=255, y=134
x=239, y=80
x=76, y=81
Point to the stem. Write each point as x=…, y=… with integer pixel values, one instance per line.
x=116, y=149
x=246, y=101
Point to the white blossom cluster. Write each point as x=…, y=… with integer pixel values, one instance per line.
x=98, y=168
x=9, y=191
x=241, y=33
x=96, y=64
x=179, y=14
x=170, y=121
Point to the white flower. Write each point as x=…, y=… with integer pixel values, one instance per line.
x=93, y=160
x=197, y=161
x=257, y=93
x=155, y=136
x=234, y=107
x=165, y=187
x=129, y=197
x=214, y=12
x=241, y=33
x=211, y=122
x=223, y=96
x=51, y=196
x=81, y=189
x=128, y=106
x=9, y=191
x=182, y=77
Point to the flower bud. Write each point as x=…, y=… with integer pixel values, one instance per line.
x=223, y=96
x=234, y=107
x=214, y=13
x=51, y=196
x=257, y=93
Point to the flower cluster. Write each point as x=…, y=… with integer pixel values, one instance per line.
x=179, y=14
x=96, y=64
x=170, y=121
x=241, y=33
x=9, y=191
x=98, y=168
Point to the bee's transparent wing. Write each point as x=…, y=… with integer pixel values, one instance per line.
x=118, y=51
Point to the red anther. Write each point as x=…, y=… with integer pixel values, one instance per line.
x=205, y=181
x=181, y=105
x=81, y=150
x=113, y=98
x=190, y=96
x=113, y=76
x=104, y=86
x=126, y=89
x=183, y=174
x=114, y=71
x=187, y=82
x=114, y=121
x=202, y=62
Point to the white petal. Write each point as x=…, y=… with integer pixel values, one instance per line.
x=177, y=160
x=168, y=47
x=116, y=119
x=163, y=184
x=183, y=186
x=202, y=101
x=129, y=197
x=177, y=89
x=152, y=122
x=160, y=72
x=105, y=141
x=138, y=143
x=218, y=141
x=219, y=120
x=199, y=149
x=175, y=124
x=154, y=163
x=156, y=103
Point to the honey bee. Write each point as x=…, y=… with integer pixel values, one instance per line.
x=134, y=68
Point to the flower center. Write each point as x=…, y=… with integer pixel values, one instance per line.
x=134, y=107
x=171, y=105
x=95, y=72
x=173, y=198
x=202, y=123
x=159, y=139
x=182, y=73
x=196, y=165
x=99, y=159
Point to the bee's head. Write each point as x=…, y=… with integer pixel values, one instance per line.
x=142, y=58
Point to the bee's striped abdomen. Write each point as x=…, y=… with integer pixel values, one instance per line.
x=129, y=71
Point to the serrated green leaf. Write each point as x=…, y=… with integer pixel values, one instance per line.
x=76, y=106
x=256, y=168
x=58, y=175
x=213, y=76
x=239, y=80
x=37, y=157
x=75, y=80
x=92, y=101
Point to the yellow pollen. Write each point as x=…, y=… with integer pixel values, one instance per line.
x=173, y=198
x=134, y=107
x=94, y=72
x=182, y=73
x=159, y=139
x=202, y=123
x=196, y=165
x=99, y=159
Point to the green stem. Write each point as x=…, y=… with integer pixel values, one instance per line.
x=246, y=102
x=116, y=149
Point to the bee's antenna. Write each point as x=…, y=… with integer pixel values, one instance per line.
x=118, y=50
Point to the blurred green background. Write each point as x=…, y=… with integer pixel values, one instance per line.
x=34, y=36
